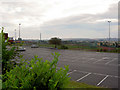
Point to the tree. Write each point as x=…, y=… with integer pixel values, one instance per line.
x=56, y=41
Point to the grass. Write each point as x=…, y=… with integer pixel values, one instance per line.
x=0, y=84
x=46, y=45
x=77, y=47
x=83, y=86
x=86, y=48
x=69, y=46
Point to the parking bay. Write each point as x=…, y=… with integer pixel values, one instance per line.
x=100, y=69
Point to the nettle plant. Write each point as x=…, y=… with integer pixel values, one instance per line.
x=37, y=74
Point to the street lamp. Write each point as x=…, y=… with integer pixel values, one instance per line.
x=15, y=34
x=40, y=37
x=109, y=32
x=19, y=30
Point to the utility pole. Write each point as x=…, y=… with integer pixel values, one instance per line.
x=109, y=34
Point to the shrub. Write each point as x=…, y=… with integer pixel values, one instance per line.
x=64, y=47
x=7, y=55
x=37, y=74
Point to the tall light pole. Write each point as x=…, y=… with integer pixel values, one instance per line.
x=109, y=32
x=15, y=34
x=40, y=37
x=19, y=30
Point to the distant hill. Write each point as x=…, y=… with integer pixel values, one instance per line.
x=88, y=39
x=79, y=39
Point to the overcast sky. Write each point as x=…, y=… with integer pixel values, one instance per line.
x=60, y=18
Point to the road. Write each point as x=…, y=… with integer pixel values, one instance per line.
x=94, y=68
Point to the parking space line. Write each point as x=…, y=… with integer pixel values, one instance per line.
x=83, y=77
x=71, y=72
x=115, y=58
x=98, y=74
x=114, y=76
x=83, y=72
x=105, y=58
x=110, y=61
x=98, y=60
x=102, y=80
x=97, y=52
x=115, y=65
x=88, y=60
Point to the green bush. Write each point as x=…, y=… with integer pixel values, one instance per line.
x=7, y=55
x=37, y=74
x=64, y=47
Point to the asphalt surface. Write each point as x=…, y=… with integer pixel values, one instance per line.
x=94, y=68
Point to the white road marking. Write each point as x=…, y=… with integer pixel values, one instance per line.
x=92, y=58
x=64, y=60
x=105, y=58
x=71, y=72
x=98, y=74
x=105, y=75
x=83, y=77
x=115, y=65
x=98, y=60
x=102, y=80
x=118, y=64
x=88, y=60
x=115, y=58
x=83, y=58
x=110, y=61
x=114, y=76
x=83, y=71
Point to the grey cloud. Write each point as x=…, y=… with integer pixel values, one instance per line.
x=86, y=18
x=34, y=12
x=81, y=23
x=11, y=10
x=112, y=12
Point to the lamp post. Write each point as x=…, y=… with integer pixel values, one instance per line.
x=40, y=37
x=15, y=35
x=19, y=30
x=109, y=33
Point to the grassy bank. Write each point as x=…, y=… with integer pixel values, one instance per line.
x=47, y=45
x=86, y=48
x=83, y=86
